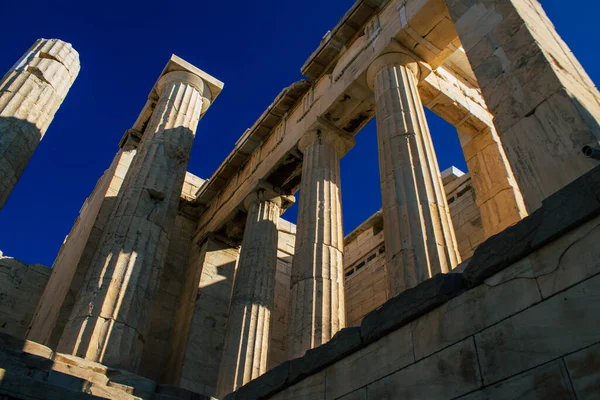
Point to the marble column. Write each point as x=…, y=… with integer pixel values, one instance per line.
x=248, y=329
x=317, y=295
x=30, y=94
x=73, y=259
x=110, y=315
x=418, y=231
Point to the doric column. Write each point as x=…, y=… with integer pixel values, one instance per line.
x=76, y=253
x=247, y=339
x=317, y=296
x=30, y=94
x=419, y=237
x=110, y=315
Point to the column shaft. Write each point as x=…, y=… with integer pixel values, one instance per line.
x=248, y=329
x=70, y=266
x=317, y=295
x=30, y=94
x=110, y=315
x=419, y=237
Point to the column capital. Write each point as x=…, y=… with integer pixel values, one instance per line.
x=326, y=132
x=189, y=78
x=410, y=61
x=264, y=191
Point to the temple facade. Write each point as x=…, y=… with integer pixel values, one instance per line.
x=464, y=285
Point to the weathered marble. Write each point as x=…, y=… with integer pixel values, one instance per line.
x=545, y=106
x=419, y=236
x=317, y=292
x=110, y=315
x=76, y=253
x=30, y=94
x=248, y=330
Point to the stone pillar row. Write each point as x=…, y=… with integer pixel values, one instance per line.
x=418, y=231
x=248, y=329
x=110, y=315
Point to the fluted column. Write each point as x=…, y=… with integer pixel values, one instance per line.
x=30, y=94
x=418, y=231
x=73, y=259
x=317, y=296
x=247, y=339
x=109, y=318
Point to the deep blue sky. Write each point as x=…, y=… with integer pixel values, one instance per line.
x=255, y=47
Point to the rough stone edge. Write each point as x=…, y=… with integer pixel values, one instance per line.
x=573, y=205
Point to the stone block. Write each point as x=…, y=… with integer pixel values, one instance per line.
x=502, y=250
x=360, y=394
x=470, y=313
x=179, y=393
x=572, y=205
x=445, y=375
x=23, y=386
x=383, y=357
x=563, y=324
x=310, y=388
x=26, y=346
x=566, y=261
x=584, y=371
x=550, y=381
x=265, y=385
x=410, y=305
x=343, y=343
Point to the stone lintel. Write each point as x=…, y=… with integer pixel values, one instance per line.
x=267, y=191
x=340, y=139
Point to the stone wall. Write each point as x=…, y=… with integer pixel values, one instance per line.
x=466, y=217
x=365, y=282
x=364, y=249
x=204, y=345
x=21, y=286
x=519, y=320
x=279, y=316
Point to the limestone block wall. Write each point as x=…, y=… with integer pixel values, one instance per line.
x=466, y=216
x=21, y=286
x=365, y=280
x=200, y=340
x=279, y=316
x=519, y=321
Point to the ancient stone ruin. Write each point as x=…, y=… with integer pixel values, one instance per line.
x=465, y=285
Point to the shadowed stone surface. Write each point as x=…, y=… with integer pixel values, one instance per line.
x=571, y=206
x=410, y=305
